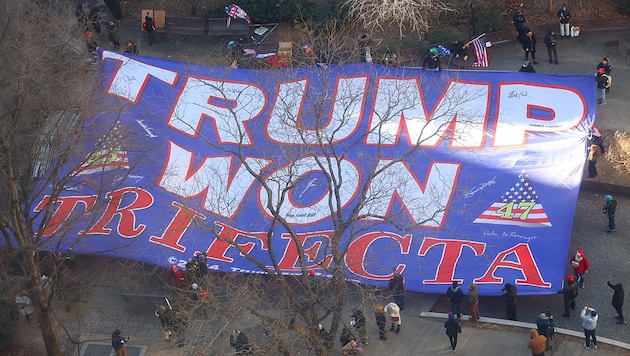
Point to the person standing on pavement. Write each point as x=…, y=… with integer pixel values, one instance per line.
x=393, y=311
x=519, y=22
x=149, y=26
x=453, y=328
x=381, y=321
x=610, y=209
x=544, y=324
x=118, y=343
x=564, y=15
x=617, y=301
x=550, y=42
x=603, y=81
x=473, y=301
x=596, y=138
x=593, y=152
x=579, y=262
x=536, y=343
x=455, y=295
x=509, y=295
x=605, y=63
x=569, y=293
x=589, y=323
x=359, y=324
x=397, y=286
x=166, y=319
x=528, y=42
x=113, y=34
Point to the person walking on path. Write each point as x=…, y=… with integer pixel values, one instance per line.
x=166, y=319
x=593, y=152
x=473, y=301
x=603, y=82
x=509, y=295
x=149, y=26
x=118, y=343
x=617, y=301
x=550, y=42
x=113, y=34
x=589, y=323
x=453, y=328
x=579, y=262
x=381, y=321
x=397, y=286
x=569, y=293
x=536, y=343
x=393, y=311
x=528, y=42
x=359, y=324
x=564, y=15
x=455, y=295
x=610, y=209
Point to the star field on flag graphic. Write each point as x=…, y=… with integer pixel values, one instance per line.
x=518, y=206
x=108, y=155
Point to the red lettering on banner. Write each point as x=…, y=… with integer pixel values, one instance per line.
x=226, y=238
x=445, y=273
x=357, y=251
x=63, y=211
x=526, y=264
x=127, y=223
x=291, y=254
x=177, y=227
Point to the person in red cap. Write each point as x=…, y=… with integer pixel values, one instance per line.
x=579, y=262
x=178, y=276
x=569, y=293
x=603, y=81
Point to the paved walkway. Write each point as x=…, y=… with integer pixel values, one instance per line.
x=424, y=335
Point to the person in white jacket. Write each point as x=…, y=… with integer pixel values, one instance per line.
x=393, y=311
x=589, y=323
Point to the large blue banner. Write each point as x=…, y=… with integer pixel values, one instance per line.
x=470, y=176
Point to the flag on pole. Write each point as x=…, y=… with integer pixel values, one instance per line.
x=235, y=12
x=481, y=52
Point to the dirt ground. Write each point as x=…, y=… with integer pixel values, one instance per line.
x=614, y=166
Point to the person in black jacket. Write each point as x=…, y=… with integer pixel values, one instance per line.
x=509, y=295
x=359, y=325
x=240, y=342
x=381, y=321
x=610, y=209
x=455, y=295
x=432, y=61
x=564, y=15
x=453, y=328
x=95, y=18
x=528, y=42
x=550, y=42
x=519, y=21
x=617, y=301
x=602, y=80
x=569, y=293
x=527, y=67
x=397, y=286
x=544, y=324
x=149, y=26
x=118, y=343
x=166, y=319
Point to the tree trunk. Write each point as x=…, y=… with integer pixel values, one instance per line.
x=42, y=306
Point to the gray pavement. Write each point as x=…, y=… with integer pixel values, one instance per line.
x=608, y=253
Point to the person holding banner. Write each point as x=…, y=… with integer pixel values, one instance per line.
x=509, y=295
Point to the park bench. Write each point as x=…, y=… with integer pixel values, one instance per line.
x=193, y=26
x=219, y=27
x=611, y=44
x=144, y=297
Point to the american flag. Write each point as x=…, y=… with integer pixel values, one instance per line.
x=518, y=206
x=108, y=155
x=481, y=52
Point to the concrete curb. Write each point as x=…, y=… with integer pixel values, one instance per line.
x=524, y=325
x=604, y=187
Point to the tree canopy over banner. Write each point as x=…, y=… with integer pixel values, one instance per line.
x=453, y=175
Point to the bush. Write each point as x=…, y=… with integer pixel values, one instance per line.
x=443, y=36
x=624, y=6
x=490, y=21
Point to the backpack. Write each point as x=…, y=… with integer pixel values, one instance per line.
x=608, y=80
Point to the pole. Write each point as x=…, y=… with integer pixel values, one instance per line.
x=476, y=38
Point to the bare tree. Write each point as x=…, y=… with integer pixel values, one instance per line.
x=320, y=136
x=407, y=15
x=47, y=147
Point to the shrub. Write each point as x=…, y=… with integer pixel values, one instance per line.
x=490, y=20
x=624, y=6
x=443, y=36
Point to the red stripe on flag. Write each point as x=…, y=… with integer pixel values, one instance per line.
x=481, y=52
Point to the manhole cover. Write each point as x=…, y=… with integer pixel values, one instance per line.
x=103, y=349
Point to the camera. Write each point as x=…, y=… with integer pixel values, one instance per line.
x=127, y=338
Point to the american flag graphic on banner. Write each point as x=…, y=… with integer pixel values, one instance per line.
x=518, y=206
x=108, y=155
x=481, y=52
